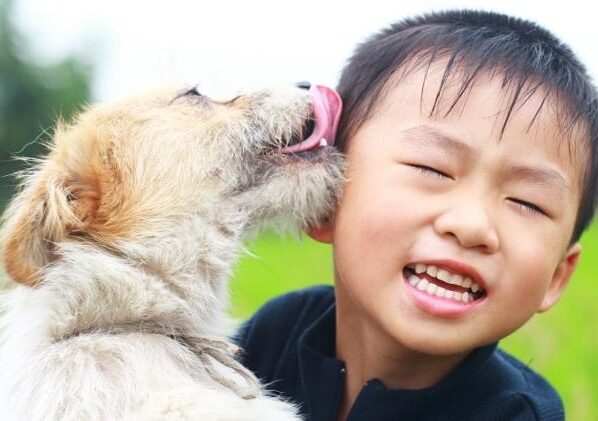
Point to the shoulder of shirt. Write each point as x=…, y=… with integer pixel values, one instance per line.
x=519, y=384
x=302, y=306
x=297, y=307
x=267, y=336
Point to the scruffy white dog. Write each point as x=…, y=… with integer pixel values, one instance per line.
x=122, y=241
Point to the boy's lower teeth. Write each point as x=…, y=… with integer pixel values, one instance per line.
x=439, y=289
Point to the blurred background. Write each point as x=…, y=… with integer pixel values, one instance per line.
x=57, y=56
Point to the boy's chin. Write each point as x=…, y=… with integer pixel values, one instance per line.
x=436, y=347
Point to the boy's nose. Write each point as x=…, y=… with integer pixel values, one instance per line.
x=471, y=226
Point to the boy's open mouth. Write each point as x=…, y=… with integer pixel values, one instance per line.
x=442, y=283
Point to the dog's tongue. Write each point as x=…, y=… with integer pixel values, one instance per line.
x=327, y=107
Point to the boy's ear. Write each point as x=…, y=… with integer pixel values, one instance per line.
x=322, y=233
x=51, y=206
x=561, y=277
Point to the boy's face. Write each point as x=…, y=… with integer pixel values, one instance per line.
x=451, y=193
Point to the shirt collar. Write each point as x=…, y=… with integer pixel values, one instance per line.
x=321, y=373
x=322, y=378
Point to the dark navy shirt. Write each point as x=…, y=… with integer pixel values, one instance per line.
x=290, y=345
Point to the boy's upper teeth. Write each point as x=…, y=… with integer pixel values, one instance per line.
x=446, y=276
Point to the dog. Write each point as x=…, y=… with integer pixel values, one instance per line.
x=121, y=242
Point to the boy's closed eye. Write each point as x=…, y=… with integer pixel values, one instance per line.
x=521, y=205
x=527, y=207
x=431, y=171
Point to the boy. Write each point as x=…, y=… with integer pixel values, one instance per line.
x=471, y=151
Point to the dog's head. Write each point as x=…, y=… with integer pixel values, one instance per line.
x=130, y=170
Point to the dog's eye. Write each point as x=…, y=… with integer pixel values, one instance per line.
x=192, y=92
x=192, y=95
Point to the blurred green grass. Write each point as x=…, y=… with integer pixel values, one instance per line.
x=561, y=344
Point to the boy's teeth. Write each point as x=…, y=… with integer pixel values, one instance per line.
x=432, y=270
x=445, y=276
x=323, y=142
x=456, y=280
x=433, y=289
x=414, y=280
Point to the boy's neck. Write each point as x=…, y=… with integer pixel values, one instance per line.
x=370, y=354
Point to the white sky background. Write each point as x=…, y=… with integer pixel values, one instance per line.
x=227, y=45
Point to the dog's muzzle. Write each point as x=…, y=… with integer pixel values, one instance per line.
x=319, y=130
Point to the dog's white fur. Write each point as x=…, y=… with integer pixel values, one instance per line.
x=122, y=240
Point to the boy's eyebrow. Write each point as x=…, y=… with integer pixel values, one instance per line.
x=540, y=176
x=425, y=135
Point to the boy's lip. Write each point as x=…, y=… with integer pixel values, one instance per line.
x=440, y=307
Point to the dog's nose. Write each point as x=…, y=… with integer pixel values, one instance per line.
x=304, y=85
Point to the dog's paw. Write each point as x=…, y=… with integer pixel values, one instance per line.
x=207, y=403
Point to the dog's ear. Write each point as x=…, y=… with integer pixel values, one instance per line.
x=52, y=205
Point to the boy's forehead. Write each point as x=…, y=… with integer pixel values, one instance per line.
x=535, y=120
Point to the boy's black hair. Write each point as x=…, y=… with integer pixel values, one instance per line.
x=526, y=56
